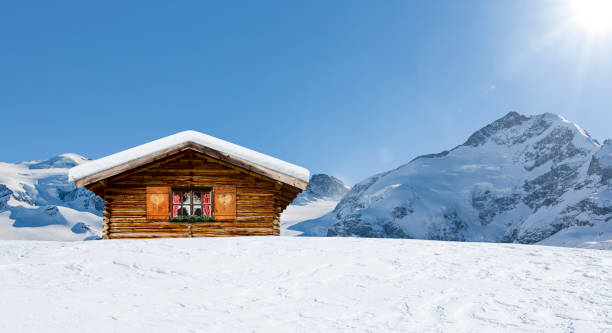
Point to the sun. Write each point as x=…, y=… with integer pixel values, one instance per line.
x=595, y=16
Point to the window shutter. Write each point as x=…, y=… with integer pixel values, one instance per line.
x=224, y=203
x=158, y=203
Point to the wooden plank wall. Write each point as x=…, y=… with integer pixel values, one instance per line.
x=259, y=200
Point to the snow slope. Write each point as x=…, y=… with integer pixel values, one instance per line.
x=37, y=202
x=319, y=198
x=295, y=214
x=288, y=284
x=519, y=179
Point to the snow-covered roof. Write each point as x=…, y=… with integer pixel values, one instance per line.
x=227, y=148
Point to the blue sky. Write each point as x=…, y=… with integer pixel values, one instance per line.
x=348, y=88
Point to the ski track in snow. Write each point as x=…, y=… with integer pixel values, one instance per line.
x=288, y=284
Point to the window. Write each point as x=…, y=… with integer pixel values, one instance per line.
x=191, y=202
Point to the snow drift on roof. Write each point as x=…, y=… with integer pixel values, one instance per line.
x=236, y=151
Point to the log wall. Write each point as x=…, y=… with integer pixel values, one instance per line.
x=259, y=200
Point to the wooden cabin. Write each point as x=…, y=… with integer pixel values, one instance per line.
x=191, y=185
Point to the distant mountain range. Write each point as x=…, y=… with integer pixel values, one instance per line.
x=38, y=202
x=539, y=179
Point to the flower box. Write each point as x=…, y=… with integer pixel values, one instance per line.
x=192, y=218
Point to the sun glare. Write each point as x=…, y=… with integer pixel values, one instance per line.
x=593, y=15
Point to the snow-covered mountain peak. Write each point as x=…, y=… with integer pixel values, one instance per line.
x=515, y=129
x=532, y=141
x=519, y=179
x=38, y=202
x=322, y=187
x=64, y=161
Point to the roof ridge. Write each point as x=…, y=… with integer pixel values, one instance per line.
x=232, y=150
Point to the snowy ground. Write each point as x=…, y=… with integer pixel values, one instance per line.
x=294, y=214
x=62, y=225
x=288, y=284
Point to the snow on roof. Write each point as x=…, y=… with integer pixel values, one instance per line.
x=236, y=151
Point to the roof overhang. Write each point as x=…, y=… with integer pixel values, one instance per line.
x=249, y=160
x=275, y=175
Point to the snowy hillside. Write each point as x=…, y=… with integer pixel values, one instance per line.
x=295, y=214
x=288, y=284
x=319, y=198
x=519, y=179
x=38, y=202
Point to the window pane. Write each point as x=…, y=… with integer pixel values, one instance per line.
x=197, y=197
x=197, y=210
x=176, y=197
x=186, y=197
x=206, y=197
x=182, y=212
x=207, y=210
x=186, y=210
x=175, y=210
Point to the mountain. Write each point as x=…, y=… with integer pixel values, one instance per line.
x=519, y=179
x=319, y=198
x=322, y=187
x=38, y=202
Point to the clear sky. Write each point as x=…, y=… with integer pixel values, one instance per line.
x=348, y=88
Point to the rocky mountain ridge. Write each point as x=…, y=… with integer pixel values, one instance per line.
x=519, y=179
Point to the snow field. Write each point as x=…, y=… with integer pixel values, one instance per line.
x=294, y=214
x=288, y=284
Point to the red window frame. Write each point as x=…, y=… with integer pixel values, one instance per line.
x=188, y=201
